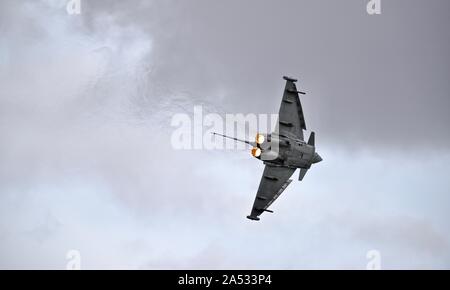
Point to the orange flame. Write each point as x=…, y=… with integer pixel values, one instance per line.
x=256, y=152
x=259, y=139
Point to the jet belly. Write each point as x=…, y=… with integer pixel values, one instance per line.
x=300, y=155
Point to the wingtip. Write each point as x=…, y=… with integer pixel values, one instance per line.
x=290, y=79
x=253, y=218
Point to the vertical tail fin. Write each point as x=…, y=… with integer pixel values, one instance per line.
x=302, y=173
x=312, y=138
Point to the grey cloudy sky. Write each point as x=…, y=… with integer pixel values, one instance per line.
x=86, y=161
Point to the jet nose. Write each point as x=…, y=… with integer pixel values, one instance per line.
x=316, y=158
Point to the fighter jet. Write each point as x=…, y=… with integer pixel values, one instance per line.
x=282, y=151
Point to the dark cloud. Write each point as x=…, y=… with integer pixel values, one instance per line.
x=372, y=80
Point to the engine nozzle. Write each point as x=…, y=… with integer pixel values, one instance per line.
x=260, y=139
x=256, y=152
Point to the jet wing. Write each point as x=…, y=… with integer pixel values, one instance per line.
x=291, y=121
x=274, y=181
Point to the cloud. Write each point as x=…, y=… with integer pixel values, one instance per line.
x=370, y=80
x=86, y=161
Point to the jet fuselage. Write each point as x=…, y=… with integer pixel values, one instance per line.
x=288, y=152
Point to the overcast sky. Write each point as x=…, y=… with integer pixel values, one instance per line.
x=86, y=161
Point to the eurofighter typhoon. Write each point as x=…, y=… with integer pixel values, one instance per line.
x=282, y=151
